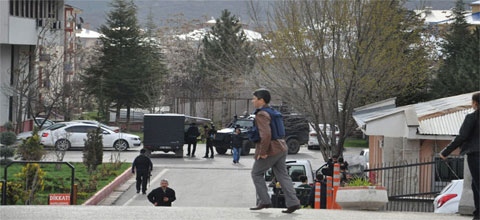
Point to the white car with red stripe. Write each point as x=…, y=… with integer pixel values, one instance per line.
x=449, y=198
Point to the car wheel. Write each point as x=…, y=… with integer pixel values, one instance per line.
x=120, y=145
x=221, y=150
x=62, y=145
x=246, y=146
x=293, y=146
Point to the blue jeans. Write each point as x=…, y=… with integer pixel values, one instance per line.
x=236, y=154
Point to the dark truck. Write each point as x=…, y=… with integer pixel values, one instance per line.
x=296, y=130
x=166, y=132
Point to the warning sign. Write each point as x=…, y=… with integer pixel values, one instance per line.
x=59, y=199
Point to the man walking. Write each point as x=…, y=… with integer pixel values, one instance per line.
x=192, y=135
x=143, y=166
x=210, y=136
x=163, y=195
x=270, y=152
x=468, y=141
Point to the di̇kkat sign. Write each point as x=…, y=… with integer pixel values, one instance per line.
x=59, y=199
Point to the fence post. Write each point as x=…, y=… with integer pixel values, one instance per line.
x=75, y=190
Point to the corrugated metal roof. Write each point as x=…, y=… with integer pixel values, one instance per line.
x=448, y=124
x=423, y=109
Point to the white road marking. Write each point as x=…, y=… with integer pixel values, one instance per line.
x=154, y=180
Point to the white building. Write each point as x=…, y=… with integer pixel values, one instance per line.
x=20, y=23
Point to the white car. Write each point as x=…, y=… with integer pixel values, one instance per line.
x=91, y=122
x=365, y=155
x=312, y=135
x=449, y=198
x=74, y=135
x=296, y=168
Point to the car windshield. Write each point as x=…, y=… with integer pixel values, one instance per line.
x=295, y=171
x=244, y=123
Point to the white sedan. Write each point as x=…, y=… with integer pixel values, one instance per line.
x=449, y=198
x=312, y=135
x=75, y=134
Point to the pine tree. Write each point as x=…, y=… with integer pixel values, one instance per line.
x=227, y=55
x=117, y=75
x=460, y=70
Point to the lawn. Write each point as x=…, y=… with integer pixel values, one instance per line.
x=351, y=142
x=58, y=181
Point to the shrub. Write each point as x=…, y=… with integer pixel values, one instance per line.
x=31, y=179
x=14, y=190
x=359, y=182
x=31, y=149
x=93, y=151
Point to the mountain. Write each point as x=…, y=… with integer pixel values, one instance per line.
x=94, y=11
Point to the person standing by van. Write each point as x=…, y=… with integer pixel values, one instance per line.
x=236, y=145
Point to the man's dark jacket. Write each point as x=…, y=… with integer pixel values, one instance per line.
x=237, y=141
x=192, y=134
x=157, y=195
x=142, y=163
x=468, y=137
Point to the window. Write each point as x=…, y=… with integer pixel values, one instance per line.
x=244, y=123
x=10, y=108
x=78, y=129
x=56, y=126
x=34, y=8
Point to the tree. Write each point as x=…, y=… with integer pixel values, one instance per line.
x=227, y=56
x=31, y=149
x=324, y=58
x=93, y=151
x=118, y=74
x=459, y=71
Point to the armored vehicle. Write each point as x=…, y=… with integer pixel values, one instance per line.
x=296, y=130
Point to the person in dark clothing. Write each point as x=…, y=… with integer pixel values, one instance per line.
x=236, y=145
x=163, y=195
x=191, y=138
x=323, y=192
x=328, y=171
x=210, y=136
x=304, y=180
x=143, y=166
x=468, y=141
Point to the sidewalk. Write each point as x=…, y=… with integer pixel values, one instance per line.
x=137, y=212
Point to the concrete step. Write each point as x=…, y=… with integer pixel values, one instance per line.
x=179, y=213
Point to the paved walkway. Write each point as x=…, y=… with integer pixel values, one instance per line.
x=118, y=213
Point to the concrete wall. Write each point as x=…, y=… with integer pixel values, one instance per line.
x=4, y=14
x=22, y=31
x=5, y=62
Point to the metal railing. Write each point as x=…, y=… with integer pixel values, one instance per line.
x=413, y=186
x=4, y=185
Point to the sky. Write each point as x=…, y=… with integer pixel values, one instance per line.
x=94, y=11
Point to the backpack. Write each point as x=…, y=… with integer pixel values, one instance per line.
x=276, y=125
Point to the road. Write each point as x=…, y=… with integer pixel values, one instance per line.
x=200, y=182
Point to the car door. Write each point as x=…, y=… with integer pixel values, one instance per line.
x=77, y=134
x=108, y=137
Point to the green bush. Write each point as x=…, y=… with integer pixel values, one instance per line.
x=359, y=182
x=31, y=149
x=32, y=181
x=93, y=151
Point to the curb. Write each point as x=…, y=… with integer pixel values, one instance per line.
x=108, y=189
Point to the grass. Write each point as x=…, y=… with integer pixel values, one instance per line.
x=58, y=181
x=351, y=142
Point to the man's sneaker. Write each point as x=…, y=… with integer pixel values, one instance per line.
x=144, y=193
x=138, y=191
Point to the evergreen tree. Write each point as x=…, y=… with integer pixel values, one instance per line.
x=460, y=69
x=118, y=74
x=227, y=55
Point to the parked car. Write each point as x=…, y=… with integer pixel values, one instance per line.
x=27, y=134
x=295, y=168
x=39, y=121
x=91, y=122
x=449, y=198
x=365, y=155
x=312, y=135
x=72, y=134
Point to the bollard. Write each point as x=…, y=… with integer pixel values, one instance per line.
x=336, y=184
x=318, y=187
x=329, y=192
